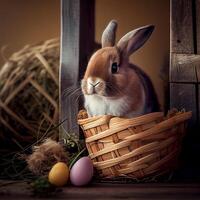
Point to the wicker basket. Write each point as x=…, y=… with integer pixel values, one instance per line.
x=136, y=147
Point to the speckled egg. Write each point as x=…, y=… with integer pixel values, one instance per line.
x=81, y=172
x=59, y=174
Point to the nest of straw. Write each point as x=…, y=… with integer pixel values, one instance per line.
x=29, y=93
x=45, y=155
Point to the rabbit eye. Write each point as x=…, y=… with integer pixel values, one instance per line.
x=114, y=68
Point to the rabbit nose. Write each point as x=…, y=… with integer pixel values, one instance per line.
x=94, y=85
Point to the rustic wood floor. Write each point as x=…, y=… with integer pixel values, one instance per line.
x=153, y=191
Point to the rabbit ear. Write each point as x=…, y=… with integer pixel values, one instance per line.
x=108, y=36
x=134, y=39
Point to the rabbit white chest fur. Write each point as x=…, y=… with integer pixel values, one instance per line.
x=98, y=105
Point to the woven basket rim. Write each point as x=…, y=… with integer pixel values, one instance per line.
x=94, y=118
x=163, y=125
x=146, y=143
x=88, y=120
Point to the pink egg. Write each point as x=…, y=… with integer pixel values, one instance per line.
x=81, y=172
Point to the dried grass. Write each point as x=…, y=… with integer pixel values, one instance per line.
x=45, y=156
x=29, y=93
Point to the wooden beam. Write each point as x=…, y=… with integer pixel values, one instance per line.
x=185, y=68
x=197, y=5
x=198, y=110
x=77, y=38
x=183, y=96
x=181, y=30
x=198, y=74
x=183, y=63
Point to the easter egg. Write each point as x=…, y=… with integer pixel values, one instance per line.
x=59, y=174
x=81, y=172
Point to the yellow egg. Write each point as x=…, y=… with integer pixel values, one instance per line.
x=59, y=174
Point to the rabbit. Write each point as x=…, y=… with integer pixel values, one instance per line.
x=113, y=86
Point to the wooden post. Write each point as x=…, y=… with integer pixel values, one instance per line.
x=197, y=12
x=77, y=38
x=184, y=63
x=185, y=74
x=197, y=6
x=181, y=29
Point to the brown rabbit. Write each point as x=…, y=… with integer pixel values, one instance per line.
x=113, y=86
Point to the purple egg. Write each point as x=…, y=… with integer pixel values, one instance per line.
x=81, y=172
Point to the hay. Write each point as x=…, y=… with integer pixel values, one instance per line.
x=45, y=155
x=29, y=93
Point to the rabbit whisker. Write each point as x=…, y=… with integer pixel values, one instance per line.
x=70, y=93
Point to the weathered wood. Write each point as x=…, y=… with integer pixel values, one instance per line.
x=181, y=30
x=145, y=191
x=185, y=68
x=77, y=37
x=198, y=104
x=184, y=65
x=183, y=96
x=197, y=5
x=186, y=58
x=198, y=73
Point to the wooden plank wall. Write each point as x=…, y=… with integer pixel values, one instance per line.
x=185, y=77
x=185, y=61
x=77, y=41
x=197, y=2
